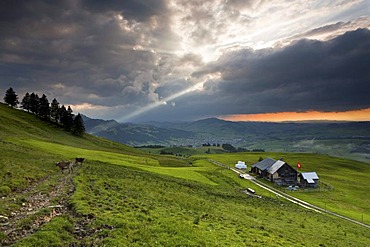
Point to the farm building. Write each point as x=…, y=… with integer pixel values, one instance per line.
x=309, y=179
x=240, y=165
x=276, y=171
x=261, y=166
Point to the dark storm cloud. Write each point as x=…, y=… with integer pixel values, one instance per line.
x=139, y=10
x=149, y=57
x=332, y=30
x=307, y=75
x=85, y=47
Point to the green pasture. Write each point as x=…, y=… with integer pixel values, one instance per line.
x=124, y=197
x=130, y=207
x=139, y=162
x=20, y=125
x=184, y=151
x=349, y=179
x=144, y=208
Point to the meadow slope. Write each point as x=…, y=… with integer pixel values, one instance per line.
x=348, y=181
x=123, y=197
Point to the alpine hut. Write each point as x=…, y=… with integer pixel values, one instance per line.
x=309, y=179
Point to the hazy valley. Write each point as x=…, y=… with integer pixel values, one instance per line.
x=345, y=139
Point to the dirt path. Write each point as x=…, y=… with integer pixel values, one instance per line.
x=289, y=197
x=37, y=208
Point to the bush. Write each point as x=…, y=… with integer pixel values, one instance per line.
x=4, y=190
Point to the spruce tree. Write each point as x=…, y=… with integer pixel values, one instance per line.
x=78, y=126
x=54, y=110
x=44, y=108
x=62, y=114
x=69, y=123
x=26, y=102
x=34, y=103
x=11, y=98
x=66, y=118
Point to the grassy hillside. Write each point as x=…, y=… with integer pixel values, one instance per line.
x=349, y=180
x=184, y=151
x=123, y=197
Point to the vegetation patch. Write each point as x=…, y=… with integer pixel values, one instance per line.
x=123, y=197
x=135, y=208
x=139, y=162
x=348, y=180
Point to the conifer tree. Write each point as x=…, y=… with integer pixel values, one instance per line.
x=62, y=113
x=34, y=103
x=66, y=118
x=11, y=98
x=69, y=119
x=26, y=104
x=54, y=110
x=78, y=126
x=44, y=108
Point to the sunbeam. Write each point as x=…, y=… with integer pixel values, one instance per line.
x=196, y=87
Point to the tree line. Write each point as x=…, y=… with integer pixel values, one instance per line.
x=230, y=148
x=53, y=112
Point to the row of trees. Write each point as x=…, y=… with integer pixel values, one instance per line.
x=209, y=144
x=41, y=107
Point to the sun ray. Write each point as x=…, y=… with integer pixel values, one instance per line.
x=161, y=102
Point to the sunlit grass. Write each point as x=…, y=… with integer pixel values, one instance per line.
x=348, y=178
x=127, y=198
x=145, y=208
x=138, y=162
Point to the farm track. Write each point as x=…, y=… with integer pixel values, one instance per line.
x=33, y=202
x=288, y=197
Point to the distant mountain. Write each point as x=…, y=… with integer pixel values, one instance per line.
x=322, y=137
x=221, y=130
x=134, y=134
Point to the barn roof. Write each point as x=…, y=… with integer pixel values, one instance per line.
x=309, y=176
x=276, y=166
x=264, y=164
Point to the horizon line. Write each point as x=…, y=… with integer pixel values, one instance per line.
x=343, y=116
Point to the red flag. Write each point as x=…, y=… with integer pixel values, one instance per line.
x=299, y=165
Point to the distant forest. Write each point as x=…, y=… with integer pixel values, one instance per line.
x=51, y=112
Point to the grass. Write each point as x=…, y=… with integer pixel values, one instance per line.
x=56, y=233
x=138, y=162
x=146, y=209
x=348, y=178
x=124, y=197
x=185, y=151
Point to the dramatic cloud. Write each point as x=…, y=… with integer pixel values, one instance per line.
x=164, y=60
x=326, y=76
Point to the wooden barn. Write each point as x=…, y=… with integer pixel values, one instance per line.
x=276, y=171
x=260, y=167
x=309, y=179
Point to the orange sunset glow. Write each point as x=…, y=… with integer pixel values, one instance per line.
x=358, y=115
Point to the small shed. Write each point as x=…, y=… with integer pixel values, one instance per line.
x=309, y=179
x=240, y=165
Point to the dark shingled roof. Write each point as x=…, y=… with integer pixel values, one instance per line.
x=264, y=164
x=276, y=166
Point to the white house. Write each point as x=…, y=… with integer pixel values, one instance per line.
x=240, y=165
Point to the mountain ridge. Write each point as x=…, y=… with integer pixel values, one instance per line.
x=329, y=137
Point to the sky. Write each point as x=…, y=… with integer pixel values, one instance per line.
x=162, y=60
